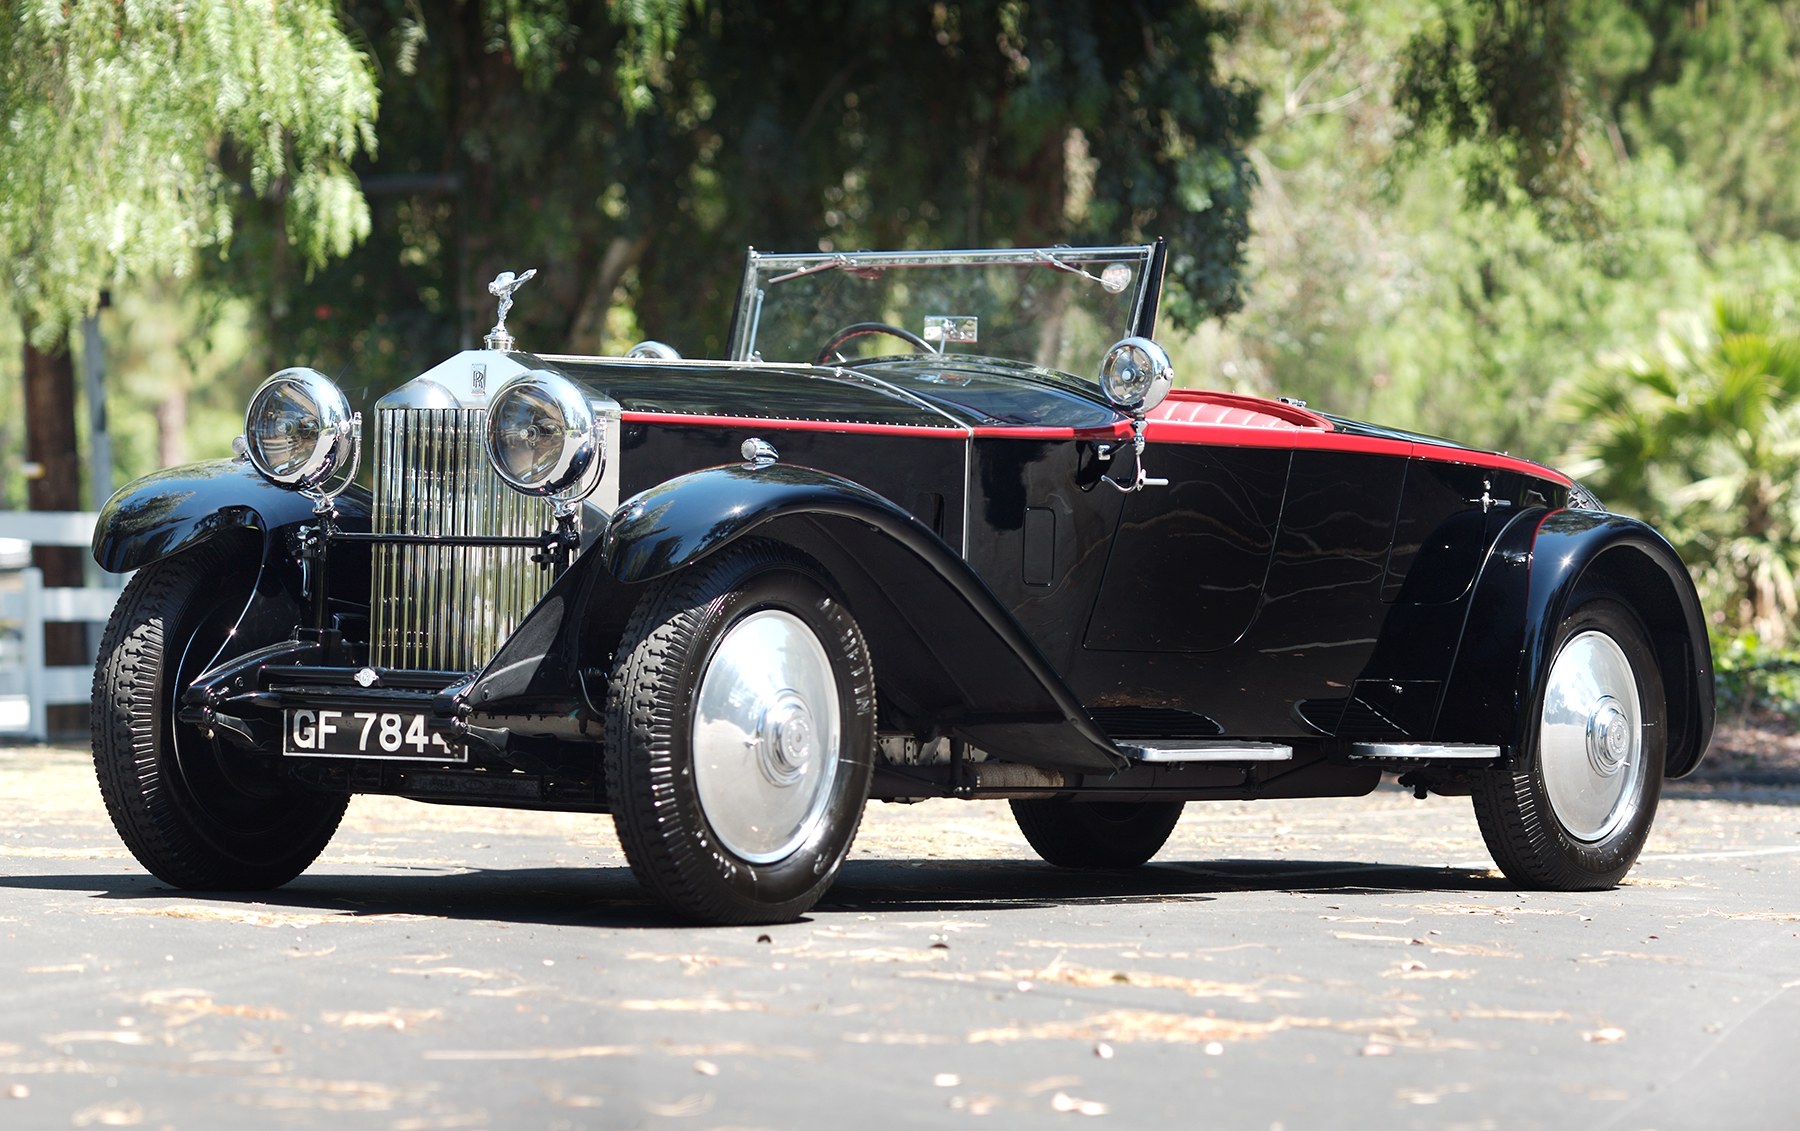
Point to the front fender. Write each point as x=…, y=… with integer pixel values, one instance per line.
x=949, y=658
x=1535, y=575
x=1578, y=549
x=168, y=511
x=675, y=524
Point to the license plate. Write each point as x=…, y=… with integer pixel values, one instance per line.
x=394, y=735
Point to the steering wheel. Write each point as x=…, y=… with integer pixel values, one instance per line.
x=862, y=329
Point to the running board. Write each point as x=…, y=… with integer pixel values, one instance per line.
x=1205, y=750
x=1424, y=751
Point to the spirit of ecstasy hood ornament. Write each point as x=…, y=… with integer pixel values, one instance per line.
x=503, y=287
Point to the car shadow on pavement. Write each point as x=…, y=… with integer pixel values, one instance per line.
x=610, y=897
x=603, y=896
x=943, y=885
x=1774, y=787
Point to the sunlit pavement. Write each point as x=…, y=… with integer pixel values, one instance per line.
x=1309, y=964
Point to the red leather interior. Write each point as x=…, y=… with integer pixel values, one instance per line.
x=1193, y=406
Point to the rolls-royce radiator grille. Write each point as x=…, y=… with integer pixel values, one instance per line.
x=446, y=607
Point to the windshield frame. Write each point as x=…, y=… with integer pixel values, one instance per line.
x=763, y=270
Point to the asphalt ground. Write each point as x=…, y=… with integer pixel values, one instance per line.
x=1294, y=965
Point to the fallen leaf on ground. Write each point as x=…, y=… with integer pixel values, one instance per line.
x=577, y=1052
x=112, y=1037
x=691, y=1005
x=1543, y=1015
x=395, y=1018
x=685, y=1106
x=109, y=1115
x=1063, y=1101
x=455, y=972
x=1125, y=1026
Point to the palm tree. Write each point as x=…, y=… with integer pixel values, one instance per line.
x=1703, y=436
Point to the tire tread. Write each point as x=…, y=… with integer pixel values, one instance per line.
x=1521, y=831
x=641, y=763
x=130, y=735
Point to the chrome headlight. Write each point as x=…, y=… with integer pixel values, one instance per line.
x=299, y=430
x=1136, y=375
x=543, y=438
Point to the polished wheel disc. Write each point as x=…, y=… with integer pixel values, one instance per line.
x=1592, y=742
x=766, y=736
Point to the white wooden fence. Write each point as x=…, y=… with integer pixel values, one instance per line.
x=28, y=688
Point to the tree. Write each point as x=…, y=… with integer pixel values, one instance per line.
x=1526, y=93
x=1497, y=82
x=128, y=131
x=633, y=161
x=123, y=126
x=1704, y=433
x=1426, y=277
x=1719, y=84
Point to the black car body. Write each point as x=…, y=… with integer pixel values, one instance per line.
x=730, y=600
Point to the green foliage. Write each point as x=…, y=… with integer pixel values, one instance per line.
x=176, y=373
x=1704, y=434
x=121, y=123
x=1752, y=677
x=1400, y=269
x=652, y=32
x=632, y=157
x=1720, y=91
x=1492, y=81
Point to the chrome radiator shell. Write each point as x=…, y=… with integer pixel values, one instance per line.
x=448, y=607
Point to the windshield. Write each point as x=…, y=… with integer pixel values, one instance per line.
x=1060, y=308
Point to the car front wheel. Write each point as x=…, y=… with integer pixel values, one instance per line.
x=740, y=736
x=193, y=813
x=1578, y=818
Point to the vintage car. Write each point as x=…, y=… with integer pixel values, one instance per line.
x=939, y=526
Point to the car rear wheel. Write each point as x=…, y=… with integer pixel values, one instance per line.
x=1096, y=834
x=194, y=814
x=740, y=736
x=1578, y=818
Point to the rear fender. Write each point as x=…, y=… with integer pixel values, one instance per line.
x=1535, y=575
x=949, y=659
